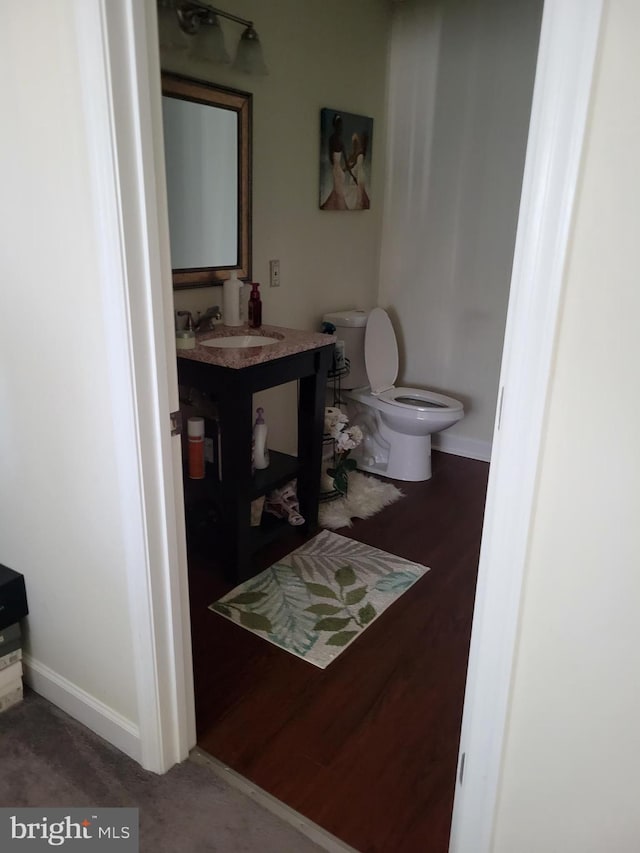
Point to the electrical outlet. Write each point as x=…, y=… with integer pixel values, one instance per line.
x=274, y=273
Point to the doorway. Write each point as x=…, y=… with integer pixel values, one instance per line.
x=229, y=690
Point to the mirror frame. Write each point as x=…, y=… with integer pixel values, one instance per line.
x=203, y=92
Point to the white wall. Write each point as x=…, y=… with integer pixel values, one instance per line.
x=569, y=774
x=461, y=81
x=320, y=53
x=61, y=498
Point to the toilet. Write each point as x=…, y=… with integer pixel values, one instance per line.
x=397, y=423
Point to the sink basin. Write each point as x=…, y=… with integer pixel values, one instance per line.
x=240, y=341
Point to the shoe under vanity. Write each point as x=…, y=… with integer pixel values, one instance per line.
x=228, y=365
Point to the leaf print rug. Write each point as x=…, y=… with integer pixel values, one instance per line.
x=320, y=597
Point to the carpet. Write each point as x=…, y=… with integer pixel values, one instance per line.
x=365, y=498
x=51, y=760
x=319, y=598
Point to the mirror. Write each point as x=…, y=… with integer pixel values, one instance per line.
x=207, y=141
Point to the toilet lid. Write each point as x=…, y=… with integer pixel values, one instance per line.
x=380, y=351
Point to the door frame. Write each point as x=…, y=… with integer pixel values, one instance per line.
x=117, y=44
x=564, y=74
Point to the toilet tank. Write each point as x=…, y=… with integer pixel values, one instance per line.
x=350, y=328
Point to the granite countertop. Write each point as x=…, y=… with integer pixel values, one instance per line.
x=290, y=342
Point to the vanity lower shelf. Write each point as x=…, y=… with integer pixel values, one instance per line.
x=208, y=521
x=282, y=468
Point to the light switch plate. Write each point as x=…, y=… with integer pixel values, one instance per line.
x=274, y=273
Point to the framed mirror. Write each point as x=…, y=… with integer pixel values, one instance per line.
x=207, y=142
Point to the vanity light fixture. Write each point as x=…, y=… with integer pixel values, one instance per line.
x=202, y=22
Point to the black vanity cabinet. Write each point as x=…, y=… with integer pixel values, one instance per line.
x=234, y=540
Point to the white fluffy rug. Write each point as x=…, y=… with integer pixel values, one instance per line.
x=365, y=498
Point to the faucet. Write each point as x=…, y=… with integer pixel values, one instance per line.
x=213, y=313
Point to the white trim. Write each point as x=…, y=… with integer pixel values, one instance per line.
x=113, y=44
x=566, y=60
x=460, y=445
x=158, y=591
x=95, y=715
x=177, y=571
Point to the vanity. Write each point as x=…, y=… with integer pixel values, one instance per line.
x=230, y=375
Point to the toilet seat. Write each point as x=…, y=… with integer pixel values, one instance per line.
x=420, y=400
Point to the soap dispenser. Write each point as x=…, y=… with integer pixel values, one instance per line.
x=231, y=300
x=255, y=306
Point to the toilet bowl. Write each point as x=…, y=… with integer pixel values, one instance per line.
x=397, y=422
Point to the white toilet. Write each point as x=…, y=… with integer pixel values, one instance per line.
x=397, y=423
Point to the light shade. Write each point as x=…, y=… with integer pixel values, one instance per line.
x=249, y=58
x=208, y=45
x=170, y=33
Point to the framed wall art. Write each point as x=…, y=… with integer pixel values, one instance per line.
x=345, y=160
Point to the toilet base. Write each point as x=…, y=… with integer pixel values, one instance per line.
x=410, y=462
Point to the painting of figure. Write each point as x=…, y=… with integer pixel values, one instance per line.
x=345, y=160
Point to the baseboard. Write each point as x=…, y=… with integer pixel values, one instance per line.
x=95, y=715
x=458, y=445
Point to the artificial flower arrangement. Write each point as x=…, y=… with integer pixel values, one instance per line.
x=345, y=439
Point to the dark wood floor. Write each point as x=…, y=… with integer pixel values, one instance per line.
x=367, y=748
